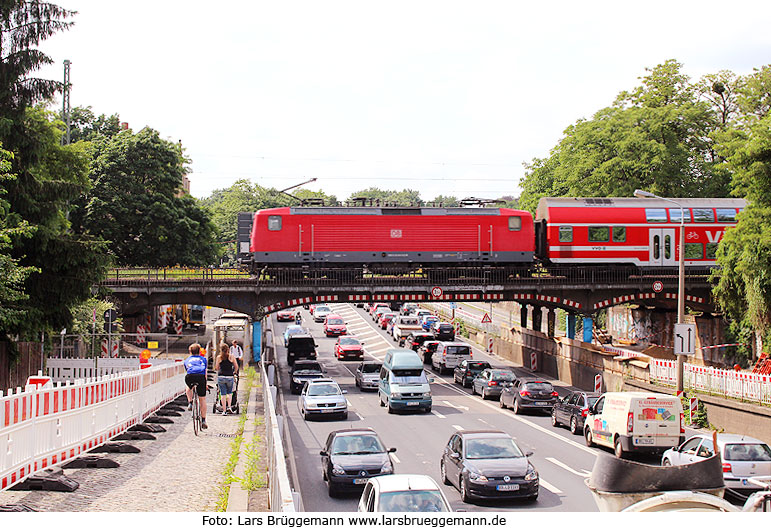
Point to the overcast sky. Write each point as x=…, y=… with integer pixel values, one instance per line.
x=441, y=97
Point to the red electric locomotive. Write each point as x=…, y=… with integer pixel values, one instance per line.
x=643, y=232
x=340, y=236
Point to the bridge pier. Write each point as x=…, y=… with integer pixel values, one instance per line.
x=537, y=318
x=570, y=325
x=551, y=317
x=523, y=315
x=588, y=328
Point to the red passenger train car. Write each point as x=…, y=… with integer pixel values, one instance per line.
x=293, y=236
x=642, y=232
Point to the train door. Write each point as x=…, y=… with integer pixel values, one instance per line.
x=661, y=247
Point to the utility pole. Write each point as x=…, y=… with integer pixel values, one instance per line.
x=66, y=102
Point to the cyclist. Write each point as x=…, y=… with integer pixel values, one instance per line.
x=196, y=365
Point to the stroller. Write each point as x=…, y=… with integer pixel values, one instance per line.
x=234, y=406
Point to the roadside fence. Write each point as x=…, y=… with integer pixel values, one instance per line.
x=729, y=383
x=41, y=426
x=121, y=344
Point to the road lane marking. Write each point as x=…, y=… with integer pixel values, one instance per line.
x=454, y=406
x=459, y=428
x=548, y=486
x=438, y=415
x=396, y=459
x=483, y=421
x=566, y=467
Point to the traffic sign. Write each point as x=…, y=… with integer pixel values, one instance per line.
x=694, y=408
x=685, y=339
x=533, y=362
x=453, y=305
x=598, y=383
x=486, y=319
x=658, y=286
x=436, y=291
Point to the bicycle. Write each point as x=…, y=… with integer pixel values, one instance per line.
x=196, y=408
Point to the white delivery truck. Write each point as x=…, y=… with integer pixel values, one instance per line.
x=404, y=326
x=635, y=422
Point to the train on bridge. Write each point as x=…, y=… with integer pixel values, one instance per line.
x=640, y=232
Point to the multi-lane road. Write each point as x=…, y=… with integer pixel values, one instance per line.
x=562, y=460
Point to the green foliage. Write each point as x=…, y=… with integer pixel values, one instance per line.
x=657, y=137
x=84, y=125
x=137, y=205
x=461, y=328
x=404, y=198
x=700, y=418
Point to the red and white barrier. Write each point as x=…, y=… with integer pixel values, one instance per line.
x=178, y=326
x=533, y=362
x=141, y=334
x=490, y=345
x=44, y=426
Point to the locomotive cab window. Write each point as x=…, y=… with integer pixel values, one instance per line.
x=274, y=222
x=566, y=234
x=656, y=215
x=599, y=234
x=515, y=223
x=703, y=215
x=674, y=215
x=619, y=234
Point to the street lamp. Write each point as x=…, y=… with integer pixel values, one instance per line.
x=680, y=280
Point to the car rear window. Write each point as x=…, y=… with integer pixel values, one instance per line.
x=503, y=376
x=539, y=386
x=461, y=351
x=372, y=367
x=445, y=327
x=747, y=452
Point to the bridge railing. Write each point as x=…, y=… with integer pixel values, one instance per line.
x=42, y=426
x=741, y=385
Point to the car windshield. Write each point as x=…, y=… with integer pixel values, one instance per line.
x=411, y=501
x=408, y=376
x=540, y=387
x=349, y=341
x=502, y=376
x=335, y=321
x=357, y=445
x=747, y=452
x=371, y=367
x=323, y=390
x=498, y=448
x=592, y=400
x=322, y=309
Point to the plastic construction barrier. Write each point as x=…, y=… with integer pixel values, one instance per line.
x=43, y=426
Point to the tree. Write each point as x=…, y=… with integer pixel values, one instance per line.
x=657, y=137
x=84, y=125
x=137, y=203
x=404, y=198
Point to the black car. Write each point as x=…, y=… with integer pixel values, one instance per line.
x=529, y=394
x=303, y=371
x=350, y=457
x=572, y=410
x=488, y=465
x=416, y=339
x=468, y=370
x=492, y=382
x=300, y=346
x=427, y=350
x=443, y=331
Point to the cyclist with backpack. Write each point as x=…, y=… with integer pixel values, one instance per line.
x=196, y=365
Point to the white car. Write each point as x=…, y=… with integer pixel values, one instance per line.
x=403, y=493
x=320, y=312
x=743, y=458
x=323, y=398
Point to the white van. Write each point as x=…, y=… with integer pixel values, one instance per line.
x=449, y=355
x=635, y=422
x=403, y=384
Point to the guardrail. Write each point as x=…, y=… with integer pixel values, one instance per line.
x=741, y=385
x=279, y=489
x=42, y=426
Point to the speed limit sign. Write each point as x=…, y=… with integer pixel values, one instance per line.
x=658, y=286
x=436, y=291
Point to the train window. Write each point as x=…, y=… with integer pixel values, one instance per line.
x=656, y=215
x=712, y=250
x=694, y=251
x=656, y=247
x=667, y=246
x=274, y=222
x=566, y=234
x=703, y=215
x=599, y=234
x=619, y=234
x=674, y=215
x=515, y=223
x=726, y=214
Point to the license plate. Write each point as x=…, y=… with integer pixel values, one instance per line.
x=541, y=403
x=412, y=403
x=360, y=481
x=508, y=487
x=644, y=440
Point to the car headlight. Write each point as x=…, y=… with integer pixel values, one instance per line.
x=531, y=474
x=426, y=395
x=387, y=468
x=396, y=395
x=296, y=380
x=473, y=476
x=338, y=471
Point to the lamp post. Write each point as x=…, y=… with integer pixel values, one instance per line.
x=680, y=280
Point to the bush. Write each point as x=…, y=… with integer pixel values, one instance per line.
x=700, y=418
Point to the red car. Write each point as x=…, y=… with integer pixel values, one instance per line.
x=285, y=315
x=349, y=347
x=334, y=325
x=385, y=318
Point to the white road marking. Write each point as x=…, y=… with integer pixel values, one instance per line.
x=454, y=406
x=587, y=472
x=548, y=486
x=483, y=421
x=396, y=459
x=438, y=415
x=566, y=467
x=459, y=428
